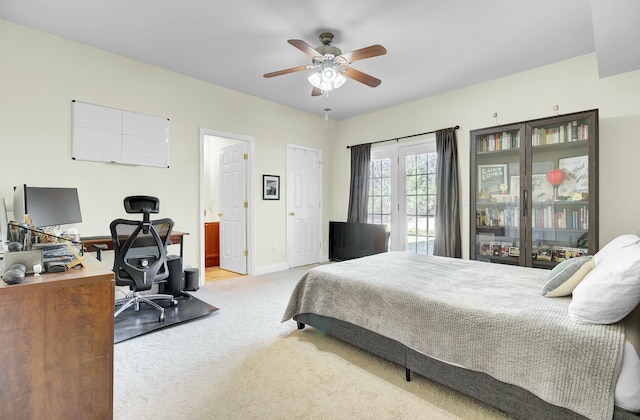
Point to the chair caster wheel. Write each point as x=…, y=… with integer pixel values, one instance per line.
x=174, y=302
x=162, y=317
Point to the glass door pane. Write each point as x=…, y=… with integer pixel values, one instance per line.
x=379, y=206
x=497, y=196
x=420, y=199
x=559, y=190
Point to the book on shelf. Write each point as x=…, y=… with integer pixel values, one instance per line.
x=552, y=136
x=572, y=131
x=498, y=141
x=547, y=218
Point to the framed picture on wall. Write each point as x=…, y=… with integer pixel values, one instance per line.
x=270, y=187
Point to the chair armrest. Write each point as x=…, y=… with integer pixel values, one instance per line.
x=99, y=248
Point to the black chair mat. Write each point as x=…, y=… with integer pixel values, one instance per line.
x=130, y=323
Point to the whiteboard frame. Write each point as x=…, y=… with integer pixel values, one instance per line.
x=105, y=134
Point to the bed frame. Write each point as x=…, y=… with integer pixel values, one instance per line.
x=506, y=397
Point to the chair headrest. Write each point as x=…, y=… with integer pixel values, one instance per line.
x=141, y=204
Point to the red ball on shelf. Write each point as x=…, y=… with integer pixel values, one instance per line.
x=556, y=177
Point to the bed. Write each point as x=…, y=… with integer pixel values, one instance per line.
x=483, y=329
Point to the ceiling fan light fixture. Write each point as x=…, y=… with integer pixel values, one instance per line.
x=327, y=79
x=329, y=75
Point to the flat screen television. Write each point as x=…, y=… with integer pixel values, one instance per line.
x=46, y=206
x=355, y=240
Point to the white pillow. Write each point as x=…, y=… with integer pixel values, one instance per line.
x=611, y=290
x=565, y=276
x=615, y=245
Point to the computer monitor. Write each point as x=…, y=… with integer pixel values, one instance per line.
x=46, y=206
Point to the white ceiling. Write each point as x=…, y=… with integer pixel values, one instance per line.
x=433, y=46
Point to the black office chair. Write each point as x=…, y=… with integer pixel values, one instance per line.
x=140, y=259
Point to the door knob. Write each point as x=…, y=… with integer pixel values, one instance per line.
x=291, y=213
x=219, y=214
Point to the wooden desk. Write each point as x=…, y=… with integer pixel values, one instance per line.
x=56, y=332
x=176, y=239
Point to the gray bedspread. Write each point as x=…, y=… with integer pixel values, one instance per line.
x=485, y=317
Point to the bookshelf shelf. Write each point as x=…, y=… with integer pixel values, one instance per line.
x=534, y=187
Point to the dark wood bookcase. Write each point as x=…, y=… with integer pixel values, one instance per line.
x=534, y=190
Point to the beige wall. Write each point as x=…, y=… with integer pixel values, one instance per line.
x=573, y=85
x=40, y=74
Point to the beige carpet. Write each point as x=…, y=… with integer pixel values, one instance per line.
x=242, y=363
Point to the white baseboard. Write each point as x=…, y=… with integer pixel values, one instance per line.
x=272, y=268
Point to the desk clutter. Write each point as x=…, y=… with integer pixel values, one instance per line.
x=31, y=250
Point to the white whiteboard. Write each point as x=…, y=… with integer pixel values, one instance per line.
x=103, y=134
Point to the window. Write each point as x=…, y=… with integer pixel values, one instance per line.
x=379, y=208
x=420, y=202
x=402, y=195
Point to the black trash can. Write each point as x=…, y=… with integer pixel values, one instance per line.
x=191, y=279
x=173, y=283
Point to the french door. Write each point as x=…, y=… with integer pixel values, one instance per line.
x=402, y=195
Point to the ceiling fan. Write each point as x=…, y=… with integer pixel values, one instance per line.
x=331, y=64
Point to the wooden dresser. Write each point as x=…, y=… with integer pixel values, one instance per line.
x=56, y=332
x=211, y=244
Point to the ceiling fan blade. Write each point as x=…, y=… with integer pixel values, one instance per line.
x=361, y=77
x=304, y=47
x=362, y=53
x=316, y=91
x=286, y=71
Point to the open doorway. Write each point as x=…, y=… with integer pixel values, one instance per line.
x=226, y=187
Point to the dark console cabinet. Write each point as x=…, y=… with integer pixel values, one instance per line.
x=211, y=244
x=355, y=240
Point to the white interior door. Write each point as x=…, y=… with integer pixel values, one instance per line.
x=304, y=204
x=233, y=215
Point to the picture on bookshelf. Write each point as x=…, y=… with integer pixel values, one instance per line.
x=491, y=177
x=577, y=171
x=541, y=189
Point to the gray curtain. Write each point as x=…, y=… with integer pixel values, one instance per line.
x=448, y=239
x=359, y=191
